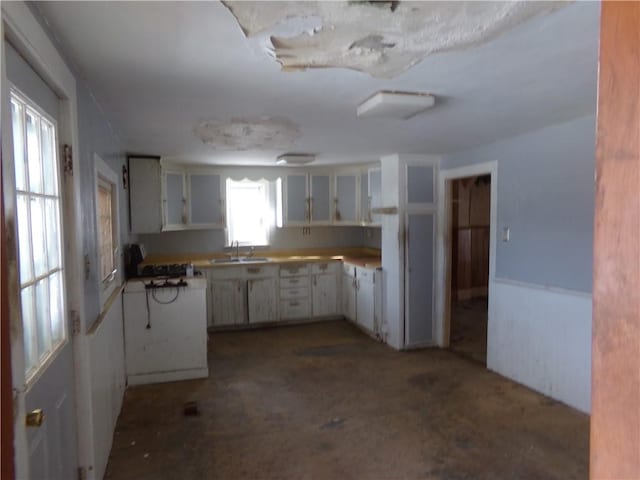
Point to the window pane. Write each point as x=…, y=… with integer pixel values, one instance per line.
x=18, y=144
x=105, y=225
x=24, y=241
x=37, y=236
x=53, y=233
x=43, y=319
x=49, y=159
x=29, y=330
x=33, y=153
x=56, y=302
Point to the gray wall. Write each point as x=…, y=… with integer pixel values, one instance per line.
x=546, y=198
x=207, y=241
x=95, y=136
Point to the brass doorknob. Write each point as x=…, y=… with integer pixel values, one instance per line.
x=35, y=418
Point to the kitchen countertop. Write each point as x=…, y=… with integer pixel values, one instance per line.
x=361, y=256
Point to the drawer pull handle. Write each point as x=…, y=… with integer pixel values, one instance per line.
x=294, y=304
x=295, y=280
x=253, y=270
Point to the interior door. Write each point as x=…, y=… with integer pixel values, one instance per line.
x=45, y=381
x=419, y=269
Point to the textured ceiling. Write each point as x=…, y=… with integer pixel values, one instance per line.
x=182, y=80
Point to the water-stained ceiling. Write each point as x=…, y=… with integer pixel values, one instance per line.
x=194, y=81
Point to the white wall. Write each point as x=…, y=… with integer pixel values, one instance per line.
x=106, y=354
x=541, y=337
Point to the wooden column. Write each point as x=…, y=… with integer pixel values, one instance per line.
x=615, y=417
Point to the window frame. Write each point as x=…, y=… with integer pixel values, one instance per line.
x=106, y=176
x=47, y=358
x=266, y=187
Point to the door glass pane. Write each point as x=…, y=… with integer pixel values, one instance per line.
x=48, y=159
x=24, y=241
x=33, y=154
x=37, y=236
x=55, y=298
x=53, y=233
x=29, y=329
x=18, y=145
x=43, y=324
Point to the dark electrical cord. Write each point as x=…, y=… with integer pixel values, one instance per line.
x=157, y=286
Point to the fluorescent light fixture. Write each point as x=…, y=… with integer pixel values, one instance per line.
x=295, y=159
x=395, y=104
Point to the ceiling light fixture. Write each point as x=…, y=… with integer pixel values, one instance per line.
x=395, y=104
x=295, y=159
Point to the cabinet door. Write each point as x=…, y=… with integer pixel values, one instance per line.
x=375, y=193
x=346, y=200
x=349, y=297
x=324, y=295
x=321, y=199
x=174, y=201
x=365, y=200
x=263, y=300
x=228, y=302
x=145, y=195
x=364, y=304
x=420, y=185
x=296, y=200
x=206, y=204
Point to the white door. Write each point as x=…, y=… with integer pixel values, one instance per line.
x=42, y=353
x=263, y=300
x=324, y=301
x=419, y=268
x=228, y=302
x=349, y=297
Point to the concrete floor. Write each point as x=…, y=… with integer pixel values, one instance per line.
x=469, y=328
x=324, y=401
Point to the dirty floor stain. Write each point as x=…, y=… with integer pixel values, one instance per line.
x=323, y=401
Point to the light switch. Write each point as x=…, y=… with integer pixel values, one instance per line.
x=505, y=234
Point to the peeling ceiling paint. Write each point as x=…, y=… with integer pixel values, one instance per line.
x=382, y=39
x=246, y=134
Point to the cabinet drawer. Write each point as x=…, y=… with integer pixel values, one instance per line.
x=293, y=270
x=294, y=282
x=295, y=308
x=225, y=273
x=287, y=293
x=262, y=271
x=327, y=267
x=349, y=269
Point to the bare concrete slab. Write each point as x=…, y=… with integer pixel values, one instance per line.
x=323, y=401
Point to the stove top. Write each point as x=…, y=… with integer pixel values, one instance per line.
x=171, y=271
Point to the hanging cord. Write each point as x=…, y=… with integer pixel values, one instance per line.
x=153, y=287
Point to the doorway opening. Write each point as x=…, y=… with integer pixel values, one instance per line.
x=470, y=239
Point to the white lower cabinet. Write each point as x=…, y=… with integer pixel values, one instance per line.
x=294, y=292
x=365, y=299
x=324, y=289
x=349, y=292
x=228, y=302
x=262, y=299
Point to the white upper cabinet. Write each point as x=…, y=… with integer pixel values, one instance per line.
x=365, y=211
x=375, y=193
x=320, y=203
x=206, y=201
x=174, y=200
x=296, y=199
x=346, y=199
x=421, y=185
x=192, y=200
x=144, y=195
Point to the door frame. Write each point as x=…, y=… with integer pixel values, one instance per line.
x=442, y=322
x=28, y=37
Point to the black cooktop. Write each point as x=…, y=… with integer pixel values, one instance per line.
x=173, y=270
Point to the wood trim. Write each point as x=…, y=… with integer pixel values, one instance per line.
x=6, y=400
x=615, y=415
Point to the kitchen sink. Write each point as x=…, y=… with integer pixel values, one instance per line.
x=239, y=260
